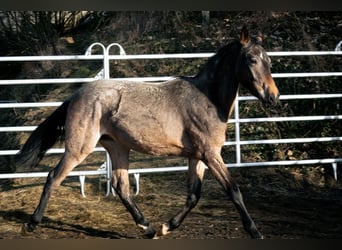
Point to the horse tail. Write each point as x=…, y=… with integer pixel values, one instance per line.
x=43, y=138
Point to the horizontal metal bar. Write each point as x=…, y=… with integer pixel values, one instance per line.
x=206, y=55
x=294, y=97
x=18, y=129
x=80, y=80
x=304, y=53
x=154, y=56
x=46, y=81
x=146, y=79
x=30, y=104
x=290, y=119
x=276, y=141
x=62, y=150
x=309, y=74
x=157, y=170
x=161, y=56
x=45, y=174
x=110, y=57
x=285, y=163
x=49, y=58
x=50, y=151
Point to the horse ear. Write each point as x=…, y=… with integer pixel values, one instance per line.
x=244, y=36
x=259, y=37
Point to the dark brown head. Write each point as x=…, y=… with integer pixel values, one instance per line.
x=253, y=69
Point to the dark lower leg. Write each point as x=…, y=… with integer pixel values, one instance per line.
x=247, y=222
x=121, y=186
x=137, y=216
x=37, y=215
x=54, y=179
x=195, y=177
x=221, y=173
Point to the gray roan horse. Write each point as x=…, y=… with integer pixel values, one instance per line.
x=186, y=116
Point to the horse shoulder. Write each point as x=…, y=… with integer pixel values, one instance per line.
x=201, y=123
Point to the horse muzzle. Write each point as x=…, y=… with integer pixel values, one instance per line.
x=270, y=99
x=271, y=93
x=273, y=99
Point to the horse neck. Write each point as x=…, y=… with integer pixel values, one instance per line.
x=218, y=82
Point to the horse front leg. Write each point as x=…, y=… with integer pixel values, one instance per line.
x=219, y=170
x=194, y=182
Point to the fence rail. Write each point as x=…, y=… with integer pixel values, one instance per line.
x=237, y=142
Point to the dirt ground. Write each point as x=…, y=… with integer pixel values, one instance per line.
x=285, y=203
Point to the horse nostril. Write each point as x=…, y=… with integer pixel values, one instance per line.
x=273, y=99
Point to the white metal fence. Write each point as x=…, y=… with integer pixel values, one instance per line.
x=105, y=169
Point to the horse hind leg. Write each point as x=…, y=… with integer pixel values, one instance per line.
x=194, y=182
x=120, y=182
x=78, y=145
x=54, y=179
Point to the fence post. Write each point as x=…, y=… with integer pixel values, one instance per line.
x=334, y=167
x=237, y=130
x=104, y=72
x=106, y=62
x=106, y=75
x=338, y=46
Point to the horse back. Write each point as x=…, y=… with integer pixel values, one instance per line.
x=171, y=118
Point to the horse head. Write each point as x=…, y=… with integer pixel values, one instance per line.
x=253, y=69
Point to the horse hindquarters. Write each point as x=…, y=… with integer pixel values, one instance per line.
x=81, y=135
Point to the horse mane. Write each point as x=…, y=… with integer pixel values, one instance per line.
x=225, y=55
x=220, y=66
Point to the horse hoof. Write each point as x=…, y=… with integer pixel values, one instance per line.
x=149, y=232
x=258, y=236
x=27, y=228
x=164, y=230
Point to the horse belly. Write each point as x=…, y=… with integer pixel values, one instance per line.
x=148, y=133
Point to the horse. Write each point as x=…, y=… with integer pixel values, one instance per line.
x=185, y=116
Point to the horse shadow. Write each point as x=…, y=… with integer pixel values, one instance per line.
x=20, y=216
